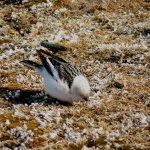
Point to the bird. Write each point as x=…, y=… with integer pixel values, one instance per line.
x=62, y=80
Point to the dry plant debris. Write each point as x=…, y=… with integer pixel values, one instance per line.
x=110, y=41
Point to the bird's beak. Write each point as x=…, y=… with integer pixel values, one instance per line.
x=86, y=98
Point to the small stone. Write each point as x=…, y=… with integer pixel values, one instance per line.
x=118, y=84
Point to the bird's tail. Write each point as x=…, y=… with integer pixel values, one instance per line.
x=32, y=64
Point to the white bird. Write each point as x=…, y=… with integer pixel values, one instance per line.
x=62, y=80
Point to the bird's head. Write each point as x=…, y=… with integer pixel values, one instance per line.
x=80, y=87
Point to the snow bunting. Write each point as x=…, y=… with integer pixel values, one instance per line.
x=62, y=80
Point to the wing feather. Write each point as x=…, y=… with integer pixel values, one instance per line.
x=65, y=71
x=45, y=63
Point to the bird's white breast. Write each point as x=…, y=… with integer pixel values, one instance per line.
x=57, y=88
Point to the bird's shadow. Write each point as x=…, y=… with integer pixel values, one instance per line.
x=18, y=96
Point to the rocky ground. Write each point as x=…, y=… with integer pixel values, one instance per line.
x=109, y=41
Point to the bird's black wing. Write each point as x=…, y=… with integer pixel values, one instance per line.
x=66, y=71
x=52, y=56
x=45, y=63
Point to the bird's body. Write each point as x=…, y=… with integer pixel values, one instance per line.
x=62, y=80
